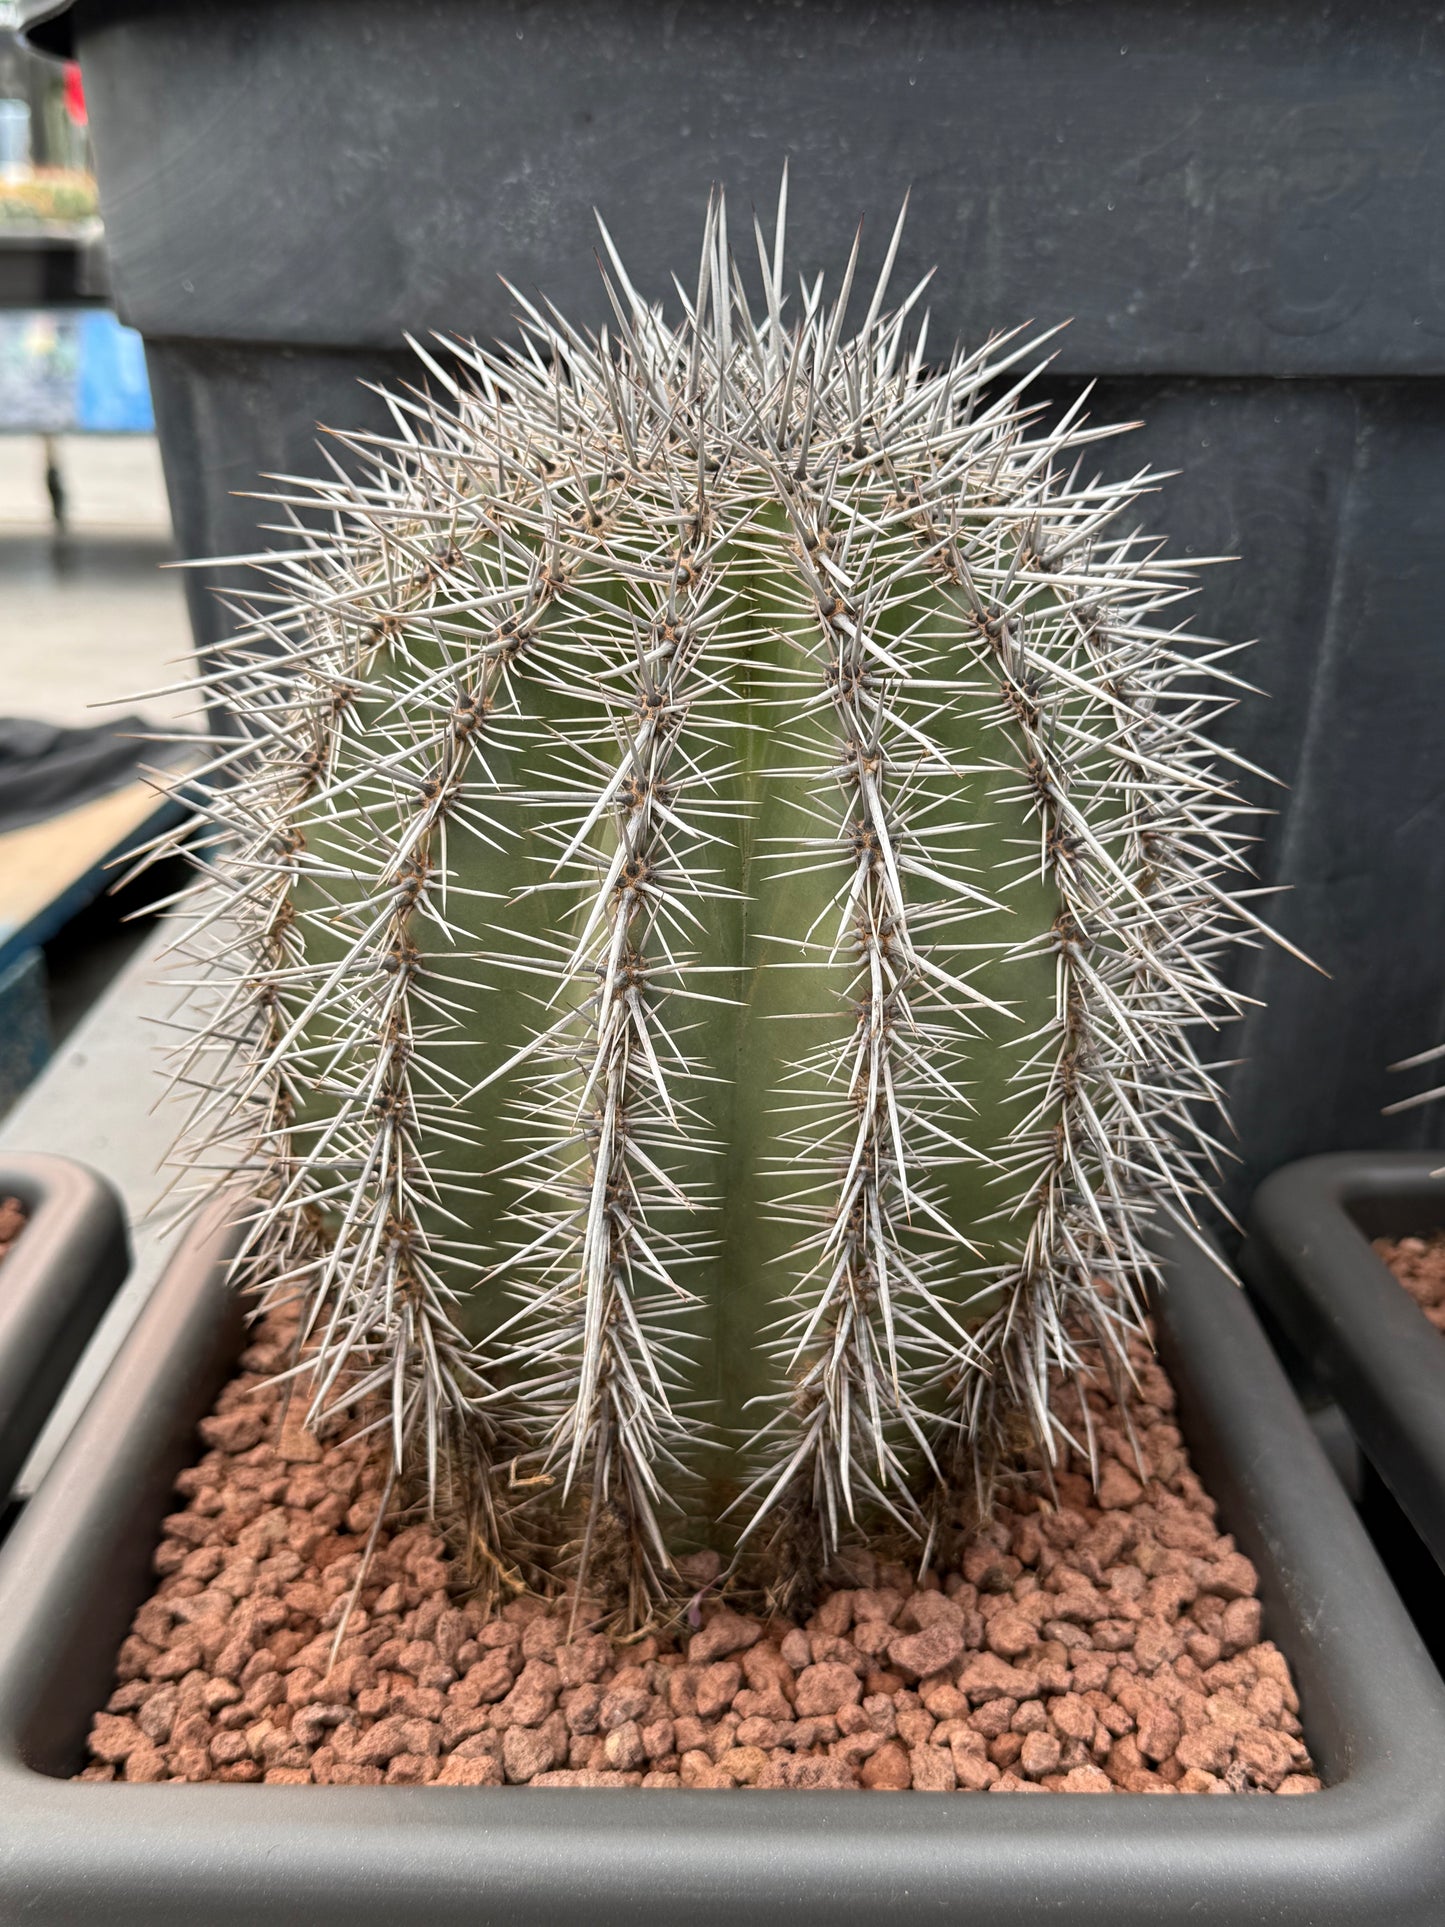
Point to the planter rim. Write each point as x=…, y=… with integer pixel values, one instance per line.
x=1309, y=1260
x=1372, y=1843
x=395, y=157
x=56, y=1282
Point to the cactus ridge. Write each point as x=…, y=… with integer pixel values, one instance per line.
x=713, y=852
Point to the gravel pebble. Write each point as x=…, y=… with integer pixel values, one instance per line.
x=13, y=1219
x=1086, y=1643
x=1419, y=1265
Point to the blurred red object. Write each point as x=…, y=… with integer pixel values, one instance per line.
x=75, y=94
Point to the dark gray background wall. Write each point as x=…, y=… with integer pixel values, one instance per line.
x=1240, y=205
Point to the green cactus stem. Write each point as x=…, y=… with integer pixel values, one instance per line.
x=716, y=880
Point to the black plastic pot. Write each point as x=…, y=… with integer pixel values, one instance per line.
x=61, y=1273
x=1358, y=1333
x=1370, y=1847
x=1239, y=205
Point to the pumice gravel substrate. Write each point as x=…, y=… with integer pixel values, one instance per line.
x=1419, y=1265
x=1109, y=1642
x=13, y=1219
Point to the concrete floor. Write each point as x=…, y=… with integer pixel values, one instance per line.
x=90, y=618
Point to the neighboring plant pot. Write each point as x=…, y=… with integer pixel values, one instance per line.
x=1237, y=205
x=60, y=1275
x=1372, y=1845
x=1357, y=1330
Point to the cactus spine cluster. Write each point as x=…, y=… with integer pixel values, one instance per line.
x=718, y=875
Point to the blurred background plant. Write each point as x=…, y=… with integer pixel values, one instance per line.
x=45, y=162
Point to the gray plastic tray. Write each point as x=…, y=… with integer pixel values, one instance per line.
x=1371, y=1847
x=60, y=1275
x=1308, y=1258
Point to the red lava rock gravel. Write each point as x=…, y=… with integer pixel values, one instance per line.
x=12, y=1223
x=1419, y=1264
x=1109, y=1644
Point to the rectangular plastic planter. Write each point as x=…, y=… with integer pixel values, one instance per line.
x=1309, y=1260
x=61, y=1274
x=1237, y=204
x=1370, y=1847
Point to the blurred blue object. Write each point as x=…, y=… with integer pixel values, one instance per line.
x=113, y=396
x=72, y=371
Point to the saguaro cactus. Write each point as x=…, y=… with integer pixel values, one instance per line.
x=721, y=872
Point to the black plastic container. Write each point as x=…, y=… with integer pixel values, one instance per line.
x=1370, y=1847
x=1358, y=1333
x=59, y=1277
x=1238, y=202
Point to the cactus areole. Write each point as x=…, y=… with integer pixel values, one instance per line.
x=717, y=881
